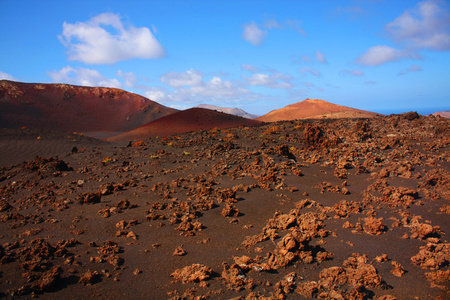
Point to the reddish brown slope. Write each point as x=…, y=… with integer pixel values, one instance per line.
x=314, y=109
x=185, y=121
x=74, y=108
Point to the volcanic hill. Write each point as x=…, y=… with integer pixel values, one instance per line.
x=184, y=121
x=74, y=108
x=314, y=109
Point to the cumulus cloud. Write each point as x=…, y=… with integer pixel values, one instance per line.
x=7, y=76
x=253, y=34
x=412, y=68
x=381, y=54
x=351, y=72
x=427, y=26
x=274, y=80
x=308, y=70
x=129, y=77
x=321, y=57
x=93, y=41
x=175, y=79
x=82, y=76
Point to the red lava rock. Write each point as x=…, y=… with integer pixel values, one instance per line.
x=230, y=210
x=179, y=251
x=374, y=226
x=422, y=230
x=89, y=198
x=89, y=278
x=192, y=273
x=439, y=279
x=49, y=279
x=398, y=269
x=40, y=165
x=432, y=256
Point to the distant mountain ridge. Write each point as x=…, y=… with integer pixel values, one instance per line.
x=75, y=108
x=314, y=109
x=232, y=111
x=445, y=114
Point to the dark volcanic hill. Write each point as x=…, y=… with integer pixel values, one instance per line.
x=314, y=109
x=184, y=121
x=74, y=108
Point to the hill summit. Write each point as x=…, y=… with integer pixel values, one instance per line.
x=314, y=109
x=184, y=121
x=74, y=108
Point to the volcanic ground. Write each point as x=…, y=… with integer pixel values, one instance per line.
x=325, y=209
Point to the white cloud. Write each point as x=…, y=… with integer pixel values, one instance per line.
x=129, y=77
x=424, y=27
x=379, y=55
x=412, y=68
x=81, y=76
x=295, y=25
x=90, y=42
x=156, y=94
x=272, y=23
x=253, y=34
x=7, y=76
x=306, y=70
x=321, y=57
x=249, y=67
x=274, y=80
x=175, y=79
x=351, y=72
x=370, y=82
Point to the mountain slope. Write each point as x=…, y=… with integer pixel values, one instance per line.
x=232, y=111
x=74, y=108
x=185, y=121
x=314, y=109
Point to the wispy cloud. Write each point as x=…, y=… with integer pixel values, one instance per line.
x=381, y=54
x=424, y=27
x=93, y=42
x=82, y=76
x=274, y=80
x=249, y=67
x=412, y=68
x=188, y=78
x=308, y=70
x=129, y=77
x=370, y=82
x=351, y=72
x=256, y=33
x=321, y=57
x=253, y=34
x=7, y=76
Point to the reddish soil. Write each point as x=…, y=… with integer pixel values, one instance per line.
x=185, y=121
x=315, y=109
x=74, y=108
x=325, y=209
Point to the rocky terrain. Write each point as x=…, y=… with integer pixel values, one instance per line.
x=74, y=108
x=306, y=209
x=315, y=109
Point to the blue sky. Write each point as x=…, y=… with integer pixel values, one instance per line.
x=379, y=55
